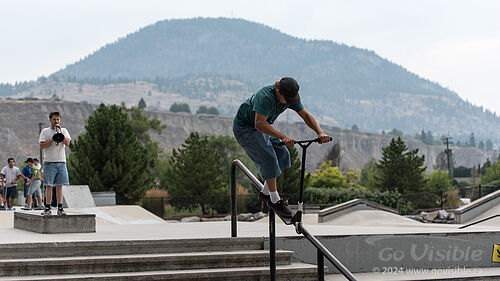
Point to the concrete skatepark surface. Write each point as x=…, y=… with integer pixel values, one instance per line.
x=134, y=223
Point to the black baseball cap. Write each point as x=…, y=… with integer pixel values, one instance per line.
x=289, y=88
x=29, y=160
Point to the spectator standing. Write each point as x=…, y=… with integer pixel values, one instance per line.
x=55, y=172
x=26, y=175
x=2, y=200
x=37, y=164
x=10, y=175
x=34, y=187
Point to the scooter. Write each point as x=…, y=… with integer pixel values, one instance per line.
x=297, y=218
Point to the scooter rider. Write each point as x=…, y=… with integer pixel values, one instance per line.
x=253, y=131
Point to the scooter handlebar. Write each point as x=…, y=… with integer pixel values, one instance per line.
x=304, y=141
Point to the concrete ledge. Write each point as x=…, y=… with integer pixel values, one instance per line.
x=468, y=212
x=349, y=206
x=70, y=223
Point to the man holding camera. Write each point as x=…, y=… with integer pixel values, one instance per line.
x=53, y=141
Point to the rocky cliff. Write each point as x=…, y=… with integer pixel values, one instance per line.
x=19, y=134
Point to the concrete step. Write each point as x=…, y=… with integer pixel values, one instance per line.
x=128, y=247
x=140, y=262
x=292, y=272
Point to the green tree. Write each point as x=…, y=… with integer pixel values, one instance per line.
x=204, y=110
x=480, y=145
x=328, y=176
x=195, y=172
x=439, y=180
x=401, y=170
x=228, y=149
x=472, y=140
x=492, y=175
x=142, y=103
x=180, y=107
x=109, y=157
x=396, y=132
x=289, y=180
x=142, y=126
x=489, y=144
x=370, y=175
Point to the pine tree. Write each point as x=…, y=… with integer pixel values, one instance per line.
x=489, y=144
x=472, y=140
x=289, y=180
x=196, y=174
x=180, y=107
x=109, y=157
x=480, y=145
x=142, y=103
x=401, y=170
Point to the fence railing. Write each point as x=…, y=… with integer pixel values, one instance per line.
x=217, y=205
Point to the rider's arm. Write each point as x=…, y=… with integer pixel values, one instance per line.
x=311, y=123
x=262, y=125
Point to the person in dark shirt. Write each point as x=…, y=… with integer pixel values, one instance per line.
x=253, y=131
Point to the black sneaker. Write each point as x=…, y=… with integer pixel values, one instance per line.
x=265, y=198
x=61, y=212
x=46, y=212
x=281, y=209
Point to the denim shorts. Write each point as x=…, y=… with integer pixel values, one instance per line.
x=34, y=188
x=264, y=151
x=55, y=174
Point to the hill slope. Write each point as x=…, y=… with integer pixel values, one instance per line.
x=345, y=85
x=19, y=128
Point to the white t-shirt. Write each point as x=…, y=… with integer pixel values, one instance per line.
x=10, y=175
x=54, y=153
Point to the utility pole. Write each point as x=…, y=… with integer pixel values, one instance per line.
x=448, y=154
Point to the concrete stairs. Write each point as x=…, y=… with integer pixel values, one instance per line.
x=183, y=259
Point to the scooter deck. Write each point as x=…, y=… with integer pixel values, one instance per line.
x=287, y=221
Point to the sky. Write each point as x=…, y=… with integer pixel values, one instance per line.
x=455, y=43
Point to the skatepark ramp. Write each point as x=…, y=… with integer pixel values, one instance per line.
x=480, y=209
x=322, y=251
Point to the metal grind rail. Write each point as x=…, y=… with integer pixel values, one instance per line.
x=479, y=221
x=322, y=251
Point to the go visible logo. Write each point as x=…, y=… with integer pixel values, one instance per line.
x=496, y=253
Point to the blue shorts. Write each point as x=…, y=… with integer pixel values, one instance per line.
x=55, y=174
x=34, y=188
x=264, y=151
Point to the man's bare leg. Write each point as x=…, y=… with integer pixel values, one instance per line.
x=271, y=185
x=28, y=201
x=48, y=196
x=48, y=200
x=59, y=195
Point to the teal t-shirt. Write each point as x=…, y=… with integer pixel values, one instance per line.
x=265, y=103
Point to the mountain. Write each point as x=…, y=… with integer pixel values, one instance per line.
x=19, y=127
x=342, y=85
